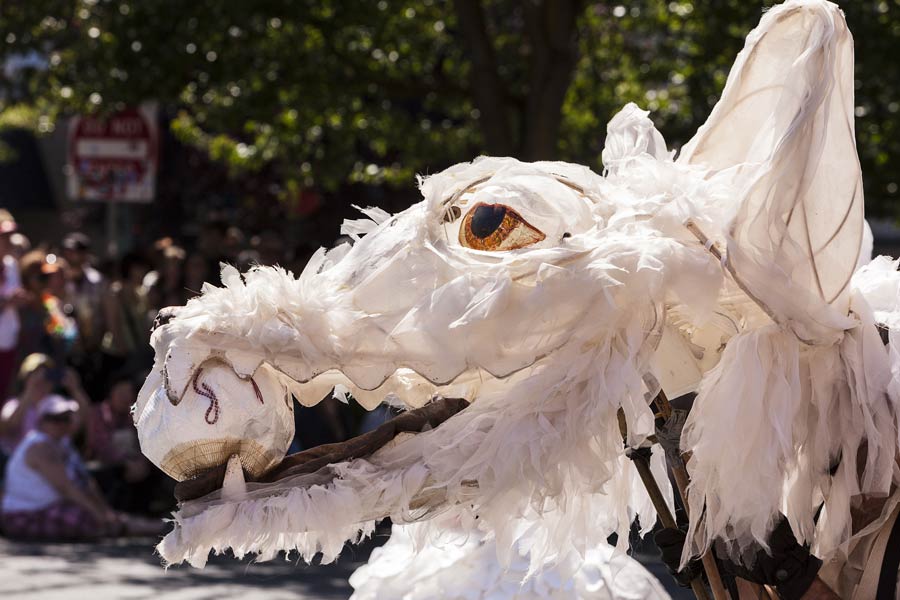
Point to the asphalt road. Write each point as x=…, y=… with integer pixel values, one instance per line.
x=128, y=569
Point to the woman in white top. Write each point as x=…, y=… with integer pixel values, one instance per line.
x=49, y=495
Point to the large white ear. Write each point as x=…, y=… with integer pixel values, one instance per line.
x=783, y=134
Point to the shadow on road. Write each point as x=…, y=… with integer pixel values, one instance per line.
x=130, y=568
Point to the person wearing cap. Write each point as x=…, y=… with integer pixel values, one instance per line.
x=11, y=296
x=38, y=376
x=48, y=493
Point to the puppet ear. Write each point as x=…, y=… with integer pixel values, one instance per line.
x=783, y=134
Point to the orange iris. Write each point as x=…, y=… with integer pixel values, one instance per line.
x=496, y=227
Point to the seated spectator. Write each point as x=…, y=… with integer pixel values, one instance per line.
x=38, y=377
x=48, y=493
x=111, y=435
x=127, y=478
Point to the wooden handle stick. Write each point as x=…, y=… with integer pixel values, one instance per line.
x=640, y=457
x=680, y=474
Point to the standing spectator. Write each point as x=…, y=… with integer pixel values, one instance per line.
x=11, y=296
x=234, y=243
x=246, y=259
x=211, y=241
x=46, y=323
x=126, y=344
x=33, y=316
x=196, y=273
x=20, y=245
x=61, y=324
x=172, y=284
x=85, y=290
x=48, y=493
x=86, y=287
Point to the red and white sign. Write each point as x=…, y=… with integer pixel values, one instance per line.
x=114, y=157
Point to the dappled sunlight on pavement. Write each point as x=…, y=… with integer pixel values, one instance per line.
x=130, y=569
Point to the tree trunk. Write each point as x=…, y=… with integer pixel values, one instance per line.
x=551, y=27
x=487, y=89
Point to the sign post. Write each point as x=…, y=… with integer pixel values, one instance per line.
x=114, y=159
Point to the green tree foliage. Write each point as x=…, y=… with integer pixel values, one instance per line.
x=319, y=92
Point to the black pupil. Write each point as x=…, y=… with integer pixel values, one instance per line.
x=486, y=219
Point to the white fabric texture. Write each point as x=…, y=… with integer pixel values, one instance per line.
x=813, y=389
x=783, y=133
x=744, y=246
x=217, y=412
x=462, y=565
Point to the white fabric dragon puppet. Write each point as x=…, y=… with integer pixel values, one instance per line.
x=550, y=298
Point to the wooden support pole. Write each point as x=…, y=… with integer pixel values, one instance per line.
x=642, y=464
x=680, y=474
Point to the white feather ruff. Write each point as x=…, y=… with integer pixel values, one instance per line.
x=462, y=565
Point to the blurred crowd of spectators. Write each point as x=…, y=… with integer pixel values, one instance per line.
x=74, y=349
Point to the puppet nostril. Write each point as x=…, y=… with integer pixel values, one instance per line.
x=452, y=214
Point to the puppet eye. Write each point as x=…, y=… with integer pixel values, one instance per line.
x=497, y=227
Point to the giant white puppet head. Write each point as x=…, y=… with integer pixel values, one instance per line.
x=549, y=297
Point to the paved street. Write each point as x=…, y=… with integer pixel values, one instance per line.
x=129, y=570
